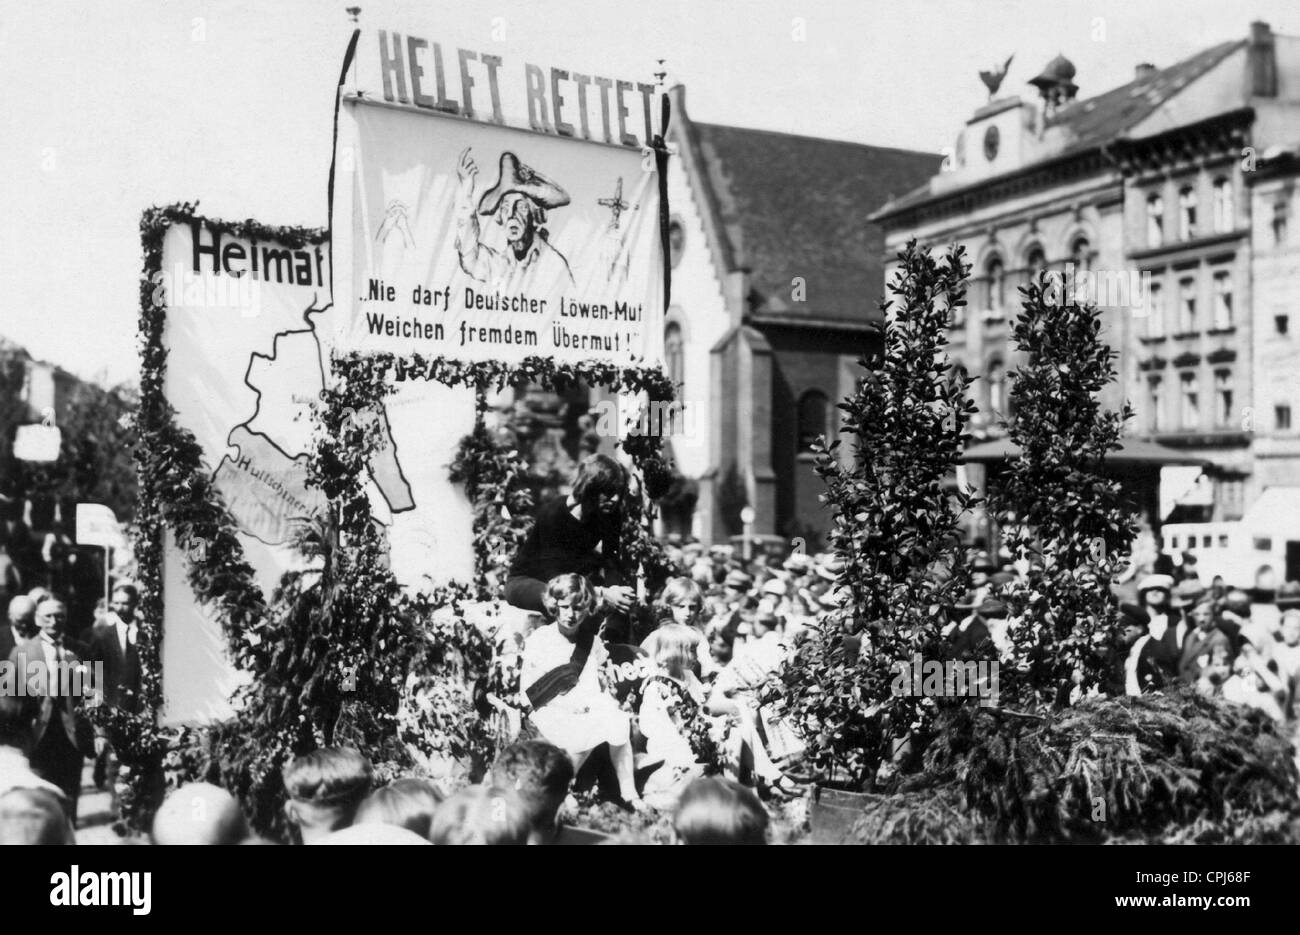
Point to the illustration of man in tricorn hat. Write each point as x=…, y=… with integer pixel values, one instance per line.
x=519, y=200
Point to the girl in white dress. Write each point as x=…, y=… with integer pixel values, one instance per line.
x=687, y=734
x=560, y=676
x=682, y=602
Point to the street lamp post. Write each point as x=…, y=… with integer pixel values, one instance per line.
x=747, y=516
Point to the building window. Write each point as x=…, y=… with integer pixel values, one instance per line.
x=1035, y=264
x=1222, y=300
x=1187, y=306
x=1155, y=221
x=1232, y=496
x=1281, y=322
x=676, y=242
x=812, y=418
x=1223, y=207
x=997, y=287
x=1081, y=255
x=1190, y=413
x=1156, y=311
x=675, y=364
x=1223, y=397
x=1186, y=214
x=997, y=379
x=1155, y=396
x=1281, y=214
x=956, y=314
x=1282, y=417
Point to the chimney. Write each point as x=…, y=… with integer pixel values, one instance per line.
x=1144, y=70
x=1261, y=61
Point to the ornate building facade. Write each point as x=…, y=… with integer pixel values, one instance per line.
x=1166, y=191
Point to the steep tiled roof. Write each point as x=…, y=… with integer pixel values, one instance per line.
x=1106, y=116
x=796, y=206
x=1096, y=120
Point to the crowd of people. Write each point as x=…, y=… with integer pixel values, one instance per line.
x=1216, y=639
x=331, y=799
x=652, y=700
x=672, y=695
x=50, y=679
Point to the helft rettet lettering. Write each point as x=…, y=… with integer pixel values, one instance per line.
x=415, y=71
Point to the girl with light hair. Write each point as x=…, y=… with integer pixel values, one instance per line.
x=682, y=603
x=560, y=676
x=686, y=734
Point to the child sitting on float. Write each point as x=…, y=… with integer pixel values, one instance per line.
x=689, y=736
x=560, y=675
x=682, y=602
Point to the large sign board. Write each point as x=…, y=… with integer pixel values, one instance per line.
x=248, y=333
x=459, y=235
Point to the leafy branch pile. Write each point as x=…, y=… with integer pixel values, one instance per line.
x=1174, y=767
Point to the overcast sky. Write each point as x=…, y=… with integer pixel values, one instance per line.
x=114, y=106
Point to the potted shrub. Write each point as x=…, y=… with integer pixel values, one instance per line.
x=894, y=521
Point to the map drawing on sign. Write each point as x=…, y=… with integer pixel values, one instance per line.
x=264, y=480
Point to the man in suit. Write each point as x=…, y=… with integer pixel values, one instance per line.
x=1148, y=666
x=113, y=643
x=970, y=638
x=1238, y=622
x=1202, y=642
x=60, y=738
x=1186, y=595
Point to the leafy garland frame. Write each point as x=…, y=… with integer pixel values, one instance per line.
x=176, y=492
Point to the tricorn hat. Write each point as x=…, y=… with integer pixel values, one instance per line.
x=517, y=177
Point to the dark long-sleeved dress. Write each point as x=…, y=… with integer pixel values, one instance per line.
x=558, y=544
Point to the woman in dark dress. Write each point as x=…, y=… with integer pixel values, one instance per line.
x=577, y=534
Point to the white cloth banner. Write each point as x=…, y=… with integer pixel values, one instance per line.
x=473, y=241
x=247, y=357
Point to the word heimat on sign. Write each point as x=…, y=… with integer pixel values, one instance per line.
x=588, y=107
x=476, y=240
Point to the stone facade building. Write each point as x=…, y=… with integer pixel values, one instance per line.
x=1170, y=191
